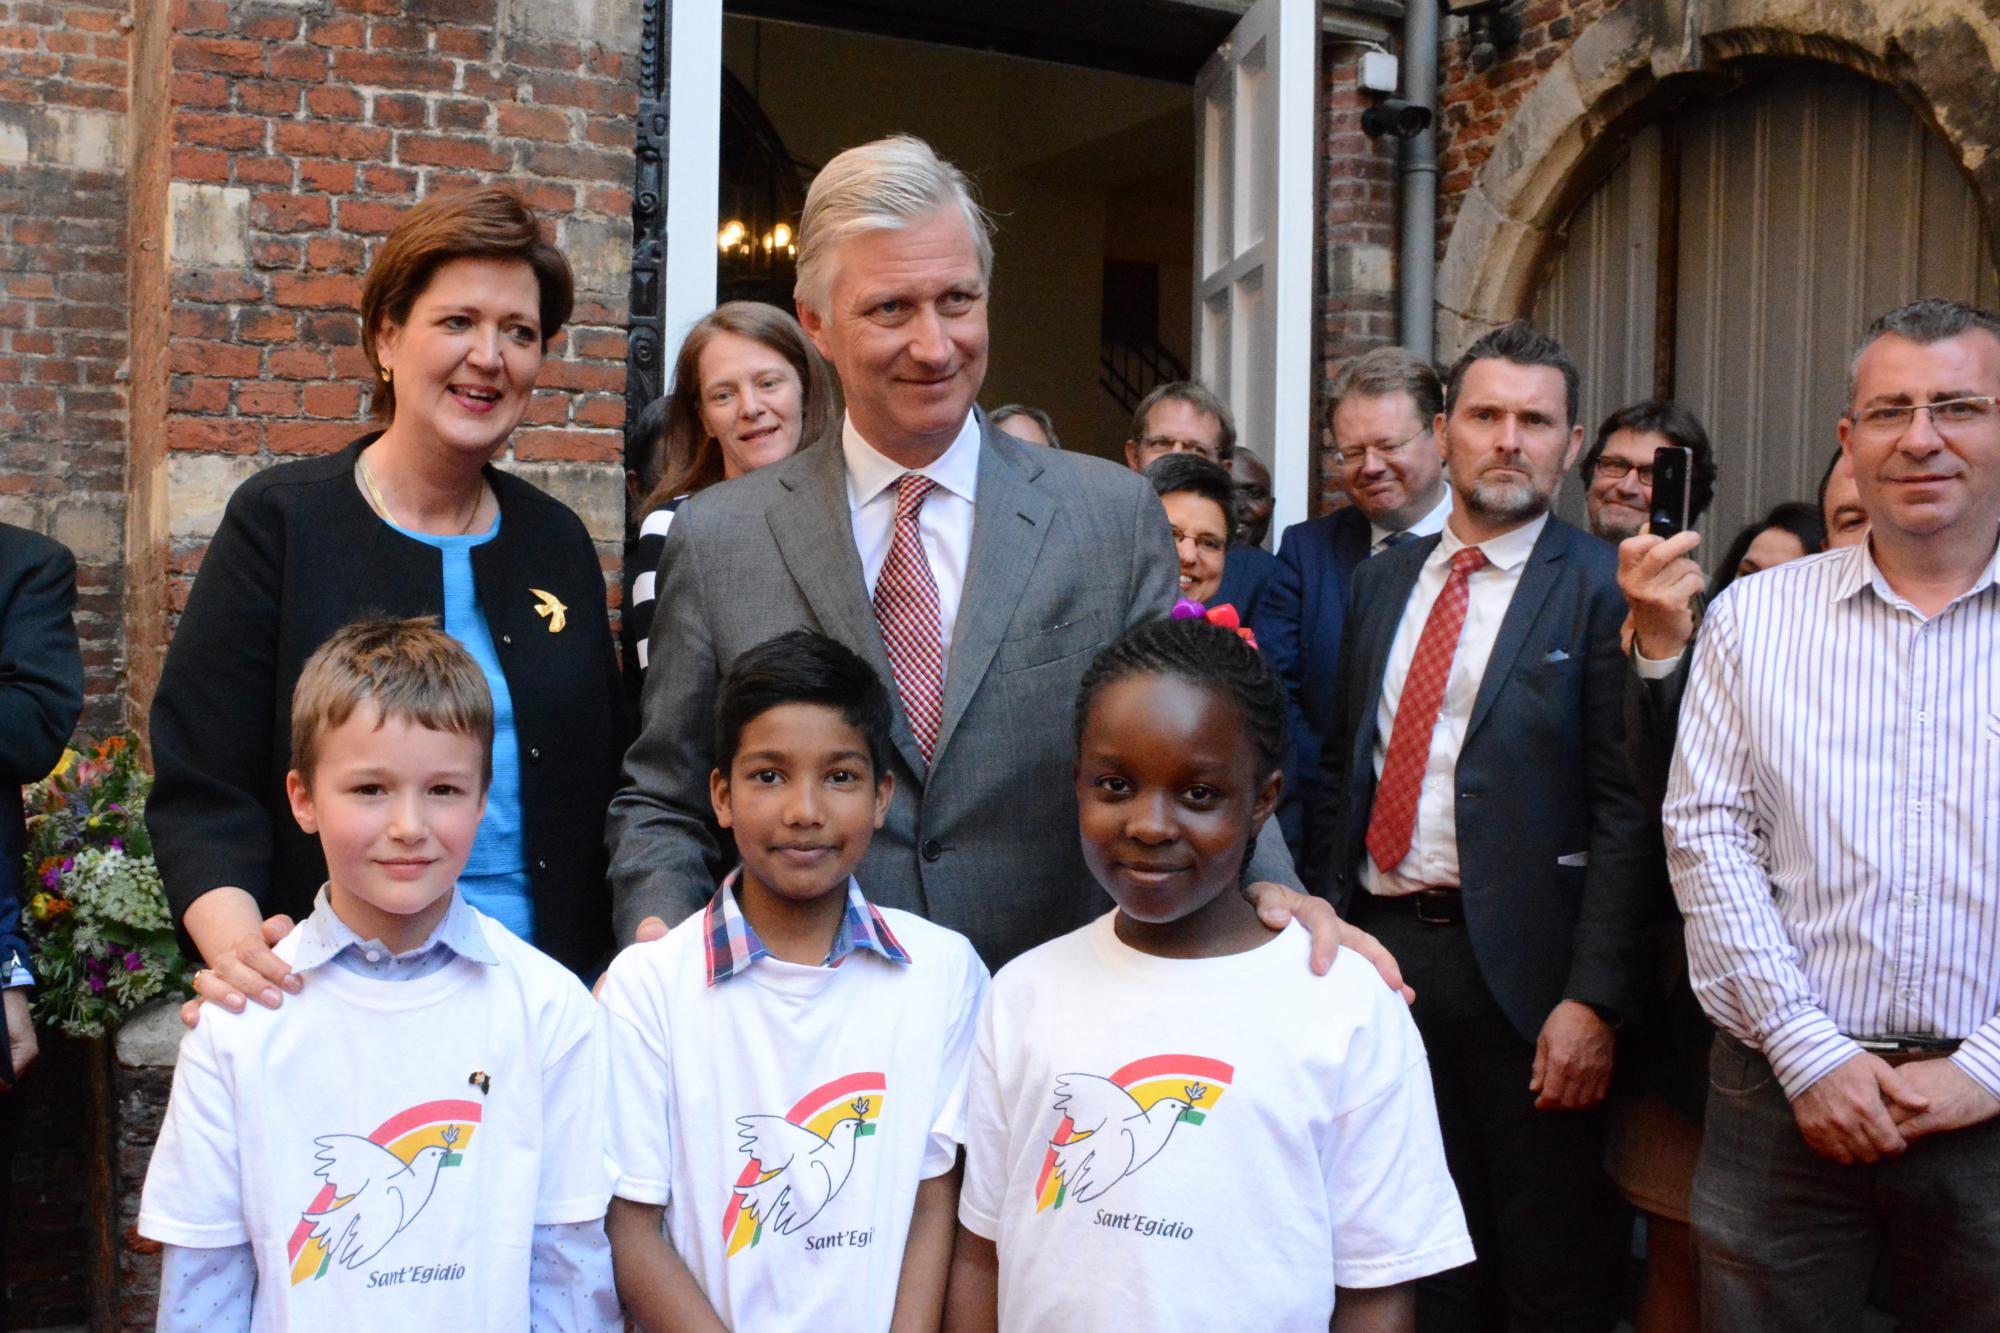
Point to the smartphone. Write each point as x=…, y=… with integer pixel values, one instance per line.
x=1671, y=466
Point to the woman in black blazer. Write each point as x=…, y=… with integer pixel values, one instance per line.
x=458, y=309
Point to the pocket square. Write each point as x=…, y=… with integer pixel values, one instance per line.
x=1574, y=859
x=1556, y=655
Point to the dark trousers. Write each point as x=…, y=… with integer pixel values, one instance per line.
x=1789, y=1240
x=1545, y=1220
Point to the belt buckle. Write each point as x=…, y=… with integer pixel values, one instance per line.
x=1437, y=907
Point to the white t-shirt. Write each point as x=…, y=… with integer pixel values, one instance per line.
x=1200, y=1143
x=853, y=1076
x=387, y=1148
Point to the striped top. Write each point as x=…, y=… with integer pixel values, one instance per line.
x=1833, y=816
x=732, y=943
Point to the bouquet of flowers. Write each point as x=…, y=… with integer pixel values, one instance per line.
x=96, y=918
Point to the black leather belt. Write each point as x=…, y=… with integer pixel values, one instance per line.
x=1433, y=907
x=1907, y=1050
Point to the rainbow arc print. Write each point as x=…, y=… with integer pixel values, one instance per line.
x=1111, y=1127
x=849, y=1097
x=446, y=1125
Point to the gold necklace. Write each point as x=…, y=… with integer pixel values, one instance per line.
x=382, y=506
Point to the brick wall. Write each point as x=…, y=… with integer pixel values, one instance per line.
x=63, y=304
x=1356, y=258
x=298, y=134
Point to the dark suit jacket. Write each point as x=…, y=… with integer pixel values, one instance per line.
x=1652, y=722
x=1246, y=574
x=1542, y=780
x=1067, y=552
x=1298, y=627
x=41, y=694
x=300, y=554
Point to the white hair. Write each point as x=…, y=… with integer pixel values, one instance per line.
x=891, y=183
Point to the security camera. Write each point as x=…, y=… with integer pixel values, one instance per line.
x=1392, y=115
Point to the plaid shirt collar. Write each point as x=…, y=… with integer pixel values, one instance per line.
x=733, y=946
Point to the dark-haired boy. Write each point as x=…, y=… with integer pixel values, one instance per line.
x=791, y=1058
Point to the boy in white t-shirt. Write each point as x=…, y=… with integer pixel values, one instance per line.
x=415, y=1140
x=791, y=1058
x=1171, y=1122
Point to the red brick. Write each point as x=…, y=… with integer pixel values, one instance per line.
x=309, y=437
x=333, y=177
x=547, y=196
x=315, y=289
x=600, y=95
x=334, y=102
x=344, y=31
x=467, y=43
x=462, y=114
x=200, y=90
x=379, y=180
x=304, y=63
x=263, y=170
x=299, y=363
x=543, y=55
x=579, y=163
x=377, y=69
x=607, y=410
x=200, y=16
x=357, y=215
x=66, y=43
x=342, y=253
x=274, y=252
x=578, y=446
x=216, y=284
x=261, y=325
x=597, y=344
x=194, y=321
x=219, y=131
x=290, y=212
x=559, y=374
x=219, y=54
x=333, y=400
x=213, y=358
x=547, y=409
x=611, y=202
x=266, y=98
x=389, y=35
x=267, y=398
x=534, y=122
x=403, y=111
x=610, y=132
x=214, y=435
x=351, y=363
x=203, y=165
x=354, y=143
x=436, y=151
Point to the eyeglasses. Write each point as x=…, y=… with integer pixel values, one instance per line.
x=1167, y=444
x=1617, y=469
x=1355, y=455
x=1953, y=417
x=1208, y=545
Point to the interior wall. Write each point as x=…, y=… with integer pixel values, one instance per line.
x=1077, y=166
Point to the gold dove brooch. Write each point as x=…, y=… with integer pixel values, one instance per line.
x=551, y=609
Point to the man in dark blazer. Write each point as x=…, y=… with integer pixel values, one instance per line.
x=41, y=694
x=1477, y=813
x=1030, y=560
x=1388, y=464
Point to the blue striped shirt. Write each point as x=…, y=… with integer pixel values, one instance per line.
x=1833, y=816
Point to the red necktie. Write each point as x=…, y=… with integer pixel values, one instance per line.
x=906, y=606
x=1395, y=817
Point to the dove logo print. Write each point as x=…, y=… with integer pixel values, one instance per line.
x=1111, y=1127
x=799, y=1160
x=376, y=1186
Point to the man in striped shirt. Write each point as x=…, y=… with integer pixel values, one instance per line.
x=1833, y=829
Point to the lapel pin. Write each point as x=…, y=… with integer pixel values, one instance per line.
x=551, y=610
x=481, y=1081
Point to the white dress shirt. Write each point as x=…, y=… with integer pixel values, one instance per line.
x=1378, y=536
x=1432, y=861
x=945, y=522
x=1833, y=816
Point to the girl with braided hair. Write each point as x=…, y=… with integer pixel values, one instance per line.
x=1145, y=1146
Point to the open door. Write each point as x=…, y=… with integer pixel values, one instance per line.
x=1253, y=239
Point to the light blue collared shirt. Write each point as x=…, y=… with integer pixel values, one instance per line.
x=324, y=938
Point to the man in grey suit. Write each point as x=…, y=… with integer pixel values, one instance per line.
x=979, y=576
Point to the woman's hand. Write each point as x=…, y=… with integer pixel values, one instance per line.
x=1276, y=905
x=236, y=945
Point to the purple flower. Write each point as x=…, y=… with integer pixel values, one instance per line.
x=97, y=985
x=53, y=878
x=133, y=962
x=118, y=844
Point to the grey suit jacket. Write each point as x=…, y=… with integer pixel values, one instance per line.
x=1067, y=552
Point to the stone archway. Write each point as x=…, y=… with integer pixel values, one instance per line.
x=1642, y=54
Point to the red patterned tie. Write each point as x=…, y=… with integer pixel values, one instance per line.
x=906, y=605
x=1395, y=816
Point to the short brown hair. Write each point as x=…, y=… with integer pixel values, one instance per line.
x=1198, y=397
x=488, y=223
x=1381, y=371
x=690, y=458
x=410, y=668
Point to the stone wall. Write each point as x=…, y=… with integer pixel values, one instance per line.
x=63, y=304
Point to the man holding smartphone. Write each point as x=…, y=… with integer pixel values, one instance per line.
x=1618, y=468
